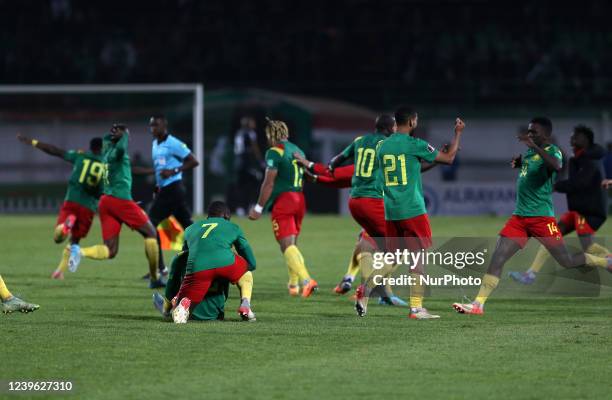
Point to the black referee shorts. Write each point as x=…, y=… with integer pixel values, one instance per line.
x=171, y=200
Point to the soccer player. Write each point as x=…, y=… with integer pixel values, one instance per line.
x=407, y=225
x=116, y=207
x=210, y=245
x=171, y=157
x=533, y=215
x=81, y=202
x=12, y=303
x=585, y=199
x=366, y=203
x=281, y=191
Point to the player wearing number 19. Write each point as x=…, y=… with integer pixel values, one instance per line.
x=407, y=224
x=81, y=201
x=281, y=191
x=117, y=208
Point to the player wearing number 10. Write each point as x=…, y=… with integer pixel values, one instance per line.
x=281, y=191
x=407, y=224
x=81, y=201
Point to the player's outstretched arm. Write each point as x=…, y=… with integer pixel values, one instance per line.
x=449, y=157
x=264, y=193
x=46, y=147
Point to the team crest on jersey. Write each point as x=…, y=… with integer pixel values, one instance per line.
x=536, y=157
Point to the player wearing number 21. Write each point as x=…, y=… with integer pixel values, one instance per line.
x=407, y=225
x=281, y=191
x=81, y=201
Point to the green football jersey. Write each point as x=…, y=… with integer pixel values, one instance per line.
x=85, y=184
x=210, y=243
x=289, y=178
x=399, y=158
x=534, y=185
x=118, y=176
x=366, y=181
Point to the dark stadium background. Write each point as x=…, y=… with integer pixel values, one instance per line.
x=474, y=58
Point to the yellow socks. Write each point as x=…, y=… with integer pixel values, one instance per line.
x=58, y=236
x=295, y=263
x=594, y=261
x=353, y=267
x=540, y=259
x=245, y=283
x=152, y=253
x=597, y=250
x=4, y=292
x=489, y=283
x=97, y=252
x=417, y=291
x=365, y=261
x=63, y=265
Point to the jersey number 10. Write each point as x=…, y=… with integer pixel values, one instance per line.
x=365, y=162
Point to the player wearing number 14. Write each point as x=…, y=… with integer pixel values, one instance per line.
x=81, y=201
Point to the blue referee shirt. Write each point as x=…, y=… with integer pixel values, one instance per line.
x=168, y=154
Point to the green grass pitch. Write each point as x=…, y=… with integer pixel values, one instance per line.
x=98, y=328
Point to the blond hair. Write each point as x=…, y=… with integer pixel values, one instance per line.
x=276, y=130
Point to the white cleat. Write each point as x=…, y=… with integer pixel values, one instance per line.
x=75, y=258
x=247, y=314
x=180, y=314
x=421, y=313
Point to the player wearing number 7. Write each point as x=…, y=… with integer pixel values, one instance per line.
x=281, y=191
x=407, y=225
x=81, y=201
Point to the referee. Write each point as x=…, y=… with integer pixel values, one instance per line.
x=171, y=158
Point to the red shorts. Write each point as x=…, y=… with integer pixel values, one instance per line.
x=114, y=212
x=416, y=234
x=196, y=285
x=84, y=218
x=574, y=221
x=520, y=229
x=287, y=214
x=370, y=214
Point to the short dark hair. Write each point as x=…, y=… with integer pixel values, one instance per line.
x=403, y=114
x=384, y=123
x=95, y=144
x=586, y=131
x=218, y=209
x=159, y=116
x=544, y=122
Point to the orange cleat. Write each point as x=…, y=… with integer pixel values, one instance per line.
x=57, y=274
x=311, y=287
x=470, y=308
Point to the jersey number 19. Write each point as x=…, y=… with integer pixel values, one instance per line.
x=91, y=173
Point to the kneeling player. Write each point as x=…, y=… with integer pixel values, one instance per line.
x=117, y=208
x=209, y=243
x=12, y=303
x=585, y=201
x=81, y=201
x=212, y=306
x=534, y=214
